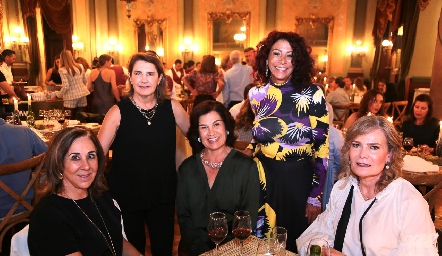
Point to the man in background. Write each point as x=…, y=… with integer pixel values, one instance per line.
x=249, y=54
x=235, y=80
x=17, y=143
x=177, y=73
x=347, y=86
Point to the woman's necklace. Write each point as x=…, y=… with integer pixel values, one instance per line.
x=99, y=230
x=210, y=164
x=148, y=114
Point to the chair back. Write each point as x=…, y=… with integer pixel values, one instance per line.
x=386, y=108
x=340, y=113
x=398, y=111
x=11, y=219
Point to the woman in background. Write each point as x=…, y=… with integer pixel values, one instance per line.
x=142, y=132
x=102, y=82
x=206, y=79
x=86, y=66
x=421, y=125
x=360, y=88
x=53, y=77
x=73, y=89
x=371, y=104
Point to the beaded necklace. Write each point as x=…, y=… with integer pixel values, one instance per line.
x=210, y=164
x=148, y=114
x=111, y=245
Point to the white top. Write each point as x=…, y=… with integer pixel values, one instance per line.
x=6, y=70
x=398, y=223
x=234, y=110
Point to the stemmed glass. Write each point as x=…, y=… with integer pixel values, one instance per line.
x=242, y=227
x=269, y=246
x=318, y=247
x=408, y=144
x=217, y=228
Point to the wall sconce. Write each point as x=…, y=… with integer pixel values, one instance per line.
x=112, y=47
x=357, y=49
x=187, y=49
x=77, y=46
x=19, y=43
x=128, y=7
x=387, y=43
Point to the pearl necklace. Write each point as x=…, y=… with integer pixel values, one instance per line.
x=99, y=230
x=210, y=164
x=148, y=114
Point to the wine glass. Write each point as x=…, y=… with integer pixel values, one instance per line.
x=408, y=144
x=242, y=227
x=280, y=236
x=217, y=228
x=318, y=247
x=61, y=118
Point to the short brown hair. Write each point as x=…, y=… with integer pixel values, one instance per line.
x=366, y=125
x=57, y=150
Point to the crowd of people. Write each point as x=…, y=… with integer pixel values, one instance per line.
x=297, y=172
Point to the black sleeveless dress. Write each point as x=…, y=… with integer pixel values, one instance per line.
x=143, y=172
x=103, y=98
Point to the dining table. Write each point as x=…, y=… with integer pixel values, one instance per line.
x=232, y=248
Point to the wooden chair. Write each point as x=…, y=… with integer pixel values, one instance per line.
x=11, y=219
x=340, y=113
x=386, y=107
x=398, y=111
x=188, y=104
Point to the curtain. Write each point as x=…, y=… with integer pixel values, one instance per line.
x=31, y=26
x=411, y=13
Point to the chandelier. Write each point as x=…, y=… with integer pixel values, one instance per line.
x=128, y=6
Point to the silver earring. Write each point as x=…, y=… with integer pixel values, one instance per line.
x=60, y=176
x=267, y=68
x=199, y=140
x=387, y=166
x=228, y=132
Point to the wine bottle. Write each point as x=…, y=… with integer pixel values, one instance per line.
x=315, y=250
x=30, y=118
x=16, y=117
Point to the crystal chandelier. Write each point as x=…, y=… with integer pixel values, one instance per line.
x=128, y=6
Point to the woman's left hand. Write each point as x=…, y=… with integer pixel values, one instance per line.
x=311, y=212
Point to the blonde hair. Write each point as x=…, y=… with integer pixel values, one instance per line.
x=365, y=125
x=67, y=62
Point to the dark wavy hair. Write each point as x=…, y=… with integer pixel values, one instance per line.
x=161, y=92
x=302, y=61
x=54, y=159
x=365, y=125
x=367, y=100
x=422, y=98
x=202, y=109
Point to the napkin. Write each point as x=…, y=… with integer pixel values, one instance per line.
x=417, y=164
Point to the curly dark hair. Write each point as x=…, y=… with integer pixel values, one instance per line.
x=367, y=99
x=202, y=109
x=208, y=65
x=302, y=61
x=54, y=159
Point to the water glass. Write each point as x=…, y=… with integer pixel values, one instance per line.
x=9, y=120
x=280, y=236
x=268, y=247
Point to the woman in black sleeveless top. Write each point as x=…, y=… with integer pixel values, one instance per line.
x=141, y=130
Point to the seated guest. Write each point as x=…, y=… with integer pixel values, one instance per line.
x=372, y=211
x=421, y=125
x=335, y=142
x=244, y=122
x=76, y=216
x=17, y=143
x=217, y=178
x=235, y=109
x=360, y=88
x=337, y=95
x=371, y=104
